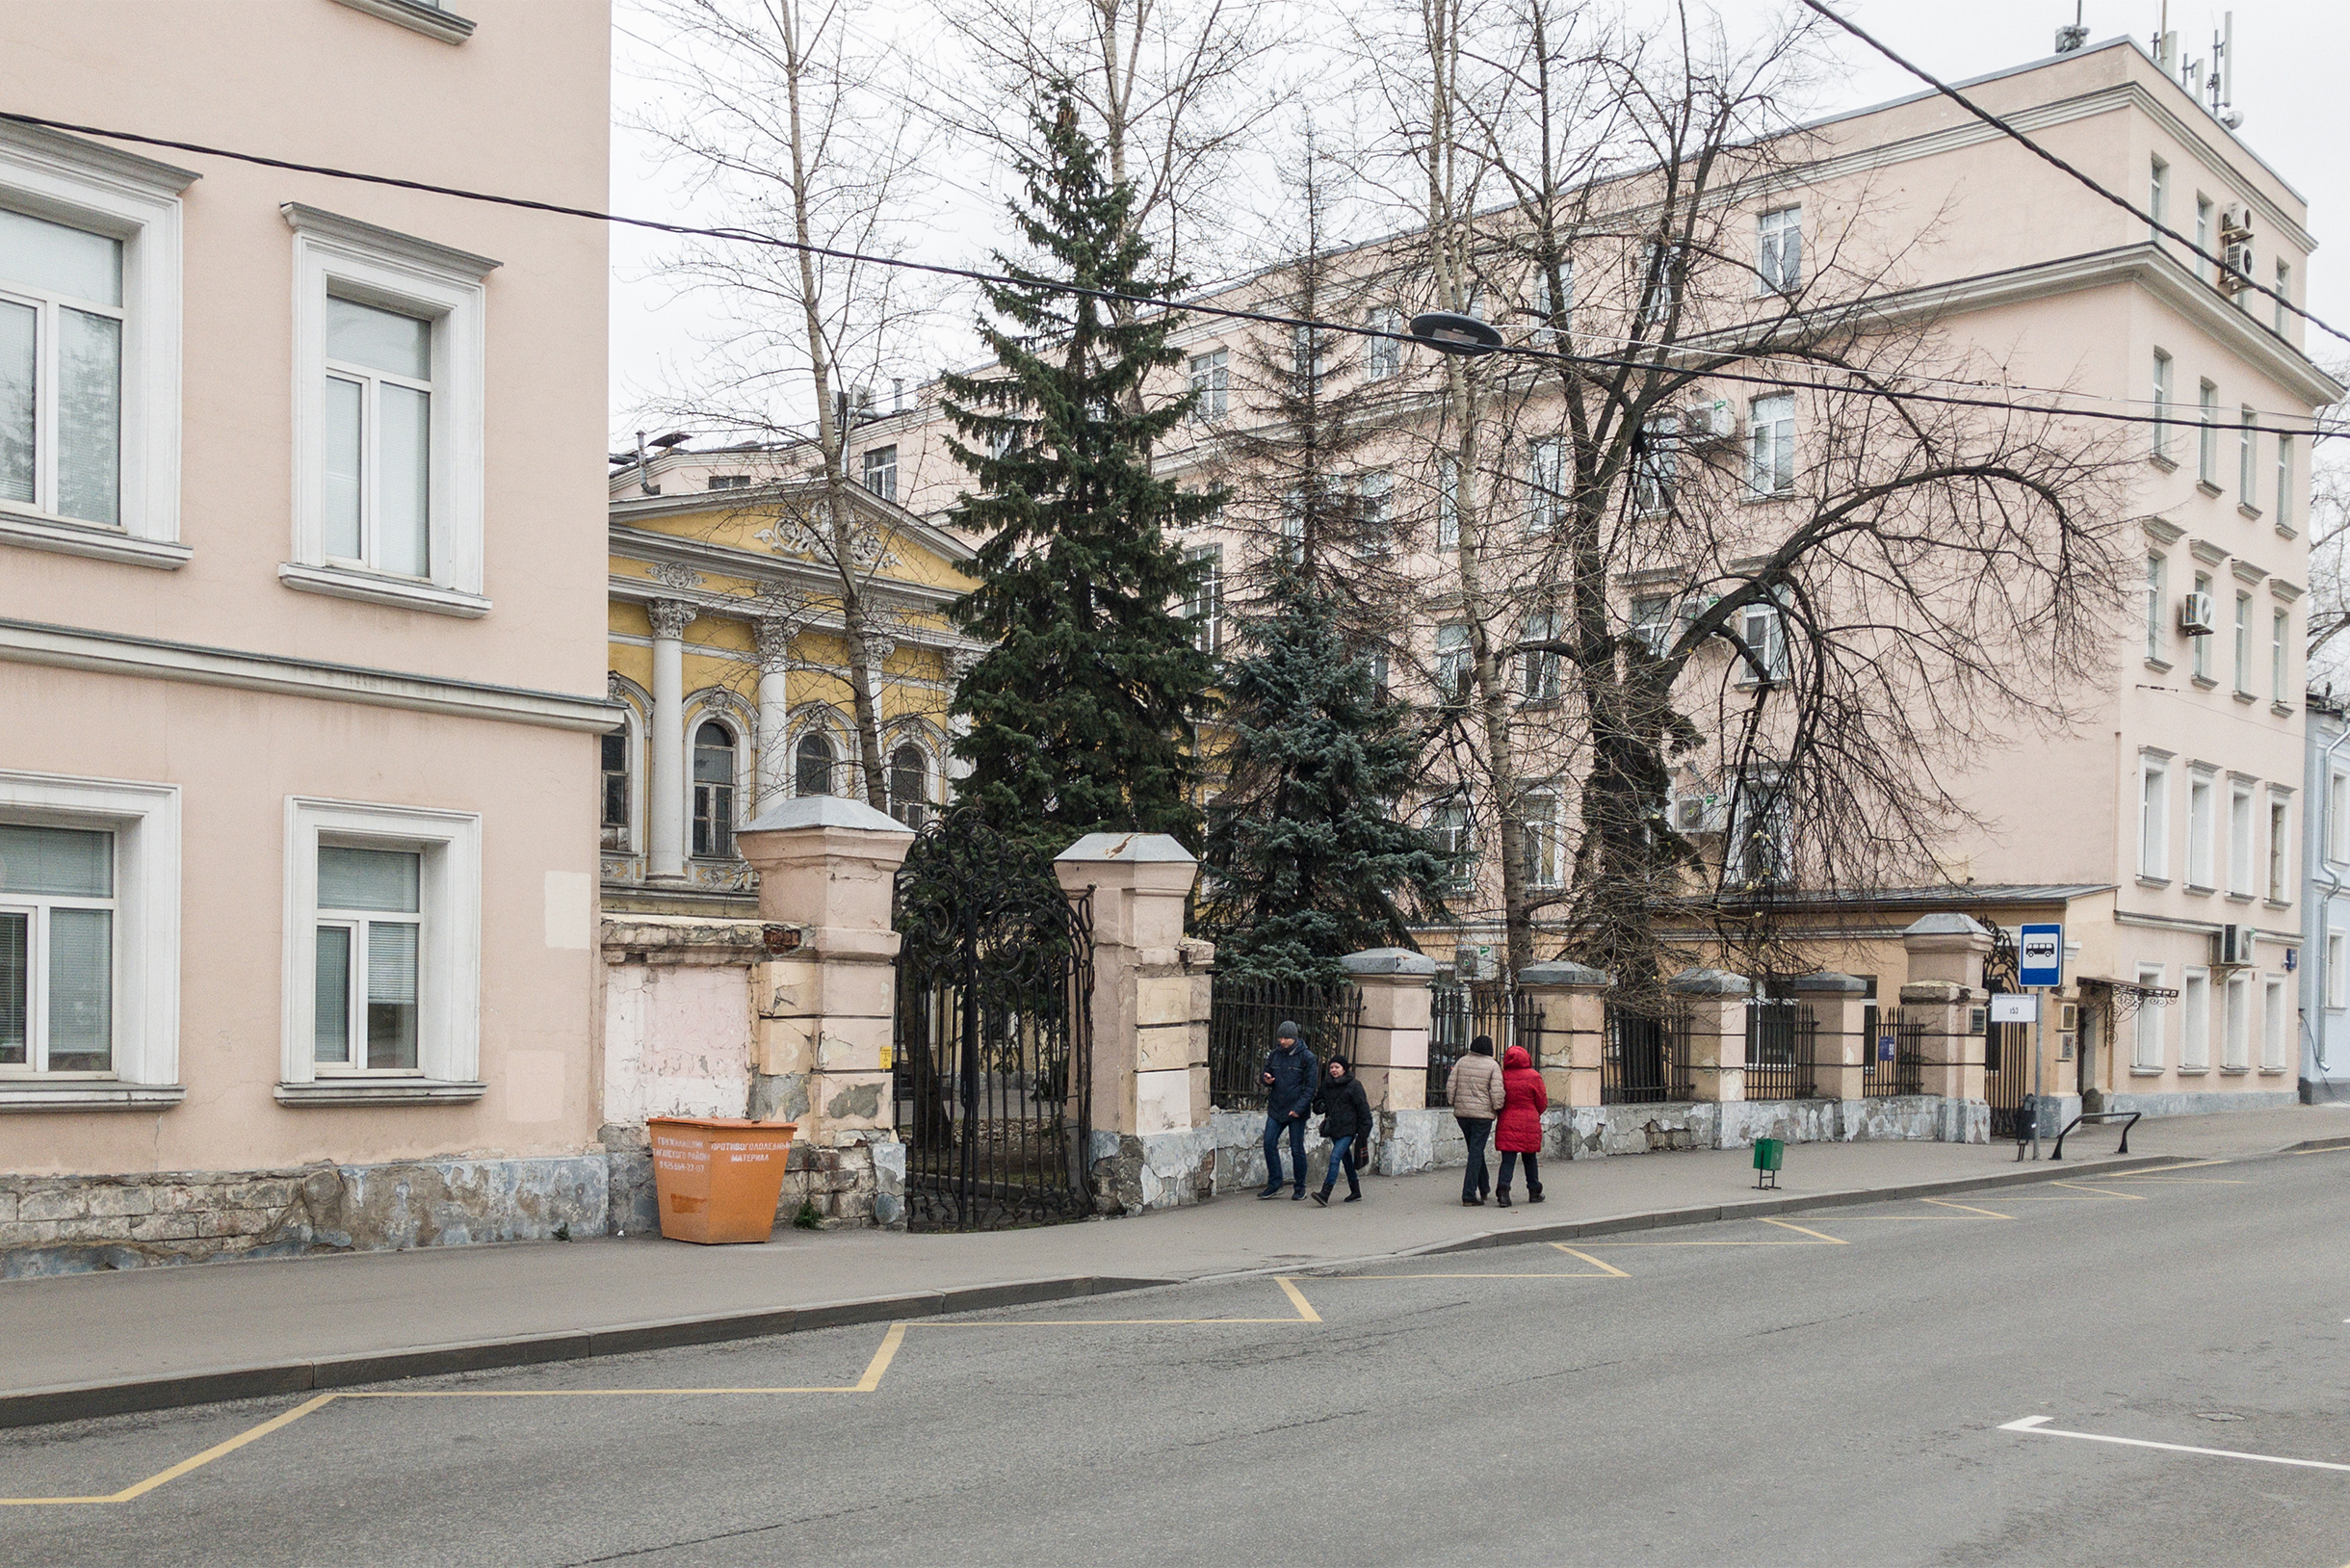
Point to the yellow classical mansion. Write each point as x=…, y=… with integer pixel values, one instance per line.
x=729, y=605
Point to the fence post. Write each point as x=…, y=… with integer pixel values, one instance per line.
x=1150, y=984
x=824, y=1012
x=1391, y=1044
x=1573, y=999
x=1840, y=1044
x=1716, y=1001
x=1946, y=984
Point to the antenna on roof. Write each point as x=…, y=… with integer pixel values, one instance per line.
x=2073, y=33
x=2223, y=74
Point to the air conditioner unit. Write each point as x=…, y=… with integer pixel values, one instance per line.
x=2235, y=265
x=2231, y=946
x=2235, y=221
x=1705, y=422
x=1696, y=814
x=2195, y=614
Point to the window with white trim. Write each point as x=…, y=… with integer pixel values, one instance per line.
x=57, y=949
x=2243, y=642
x=90, y=351
x=1656, y=465
x=2146, y=1047
x=1763, y=628
x=1447, y=503
x=1770, y=445
x=814, y=761
x=1538, y=668
x=2236, y=1037
x=2203, y=237
x=390, y=367
x=1374, y=496
x=2156, y=569
x=1651, y=622
x=2338, y=817
x=910, y=785
x=879, y=472
x=2338, y=968
x=2247, y=449
x=2203, y=643
x=88, y=940
x=1203, y=605
x=2195, y=1021
x=1779, y=250
x=383, y=949
x=1553, y=309
x=2285, y=292
x=1454, y=662
x=370, y=941
x=1210, y=378
x=1541, y=848
x=1454, y=830
x=2239, y=837
x=2160, y=429
x=2202, y=869
x=2154, y=818
x=1382, y=356
x=2158, y=196
x=2280, y=651
x=1545, y=481
x=2279, y=848
x=714, y=754
x=2285, y=483
x=2276, y=1023
x=2207, y=450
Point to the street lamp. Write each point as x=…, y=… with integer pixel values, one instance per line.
x=1449, y=332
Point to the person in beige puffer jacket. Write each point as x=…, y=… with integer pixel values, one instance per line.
x=1475, y=1092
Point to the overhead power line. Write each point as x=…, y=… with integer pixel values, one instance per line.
x=971, y=275
x=2123, y=202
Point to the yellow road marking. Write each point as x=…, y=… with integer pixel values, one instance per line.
x=1305, y=1308
x=1589, y=1259
x=194, y=1461
x=2078, y=1186
x=1799, y=1230
x=1968, y=1207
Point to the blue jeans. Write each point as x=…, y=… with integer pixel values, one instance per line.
x=1474, y=1131
x=1341, y=1155
x=1272, y=1149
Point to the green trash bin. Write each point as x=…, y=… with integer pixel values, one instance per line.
x=1769, y=1154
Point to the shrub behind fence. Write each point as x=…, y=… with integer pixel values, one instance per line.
x=1241, y=1019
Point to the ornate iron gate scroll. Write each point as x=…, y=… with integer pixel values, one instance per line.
x=993, y=1054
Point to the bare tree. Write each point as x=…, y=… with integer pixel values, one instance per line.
x=2328, y=616
x=1812, y=661
x=771, y=108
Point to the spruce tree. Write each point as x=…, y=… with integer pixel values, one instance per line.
x=1308, y=854
x=1084, y=713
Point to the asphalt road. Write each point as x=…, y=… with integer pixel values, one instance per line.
x=1839, y=1389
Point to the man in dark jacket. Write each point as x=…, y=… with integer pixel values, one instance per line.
x=1288, y=1075
x=1346, y=1112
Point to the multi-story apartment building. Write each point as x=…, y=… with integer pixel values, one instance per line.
x=2324, y=1044
x=299, y=647
x=2160, y=820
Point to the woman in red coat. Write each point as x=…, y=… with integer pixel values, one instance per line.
x=1518, y=1131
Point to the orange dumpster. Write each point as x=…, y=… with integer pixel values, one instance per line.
x=718, y=1177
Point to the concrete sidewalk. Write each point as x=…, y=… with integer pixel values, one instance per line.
x=89, y=1345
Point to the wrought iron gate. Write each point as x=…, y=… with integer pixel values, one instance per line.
x=2006, y=1047
x=993, y=1049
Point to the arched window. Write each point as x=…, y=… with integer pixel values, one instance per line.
x=812, y=763
x=616, y=789
x=713, y=792
x=910, y=786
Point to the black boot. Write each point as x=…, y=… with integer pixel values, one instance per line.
x=1323, y=1198
x=1500, y=1198
x=1533, y=1192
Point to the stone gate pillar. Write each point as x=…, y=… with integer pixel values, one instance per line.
x=1573, y=1000
x=824, y=1012
x=1944, y=992
x=1840, y=1006
x=1151, y=996
x=1391, y=1044
x=1716, y=1001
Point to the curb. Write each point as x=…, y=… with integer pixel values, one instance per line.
x=80, y=1401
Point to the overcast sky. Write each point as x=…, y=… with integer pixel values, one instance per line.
x=2289, y=69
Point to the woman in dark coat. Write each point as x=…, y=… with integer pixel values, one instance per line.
x=1518, y=1131
x=1347, y=1123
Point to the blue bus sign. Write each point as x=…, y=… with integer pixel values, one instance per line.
x=2040, y=956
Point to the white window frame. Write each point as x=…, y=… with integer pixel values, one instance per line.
x=885, y=469
x=2147, y=1047
x=2157, y=197
x=2240, y=868
x=2280, y=877
x=2203, y=828
x=2206, y=448
x=1770, y=421
x=2276, y=1021
x=2201, y=649
x=2195, y=1021
x=356, y=261
x=2235, y=1036
x=145, y=821
x=135, y=200
x=2282, y=517
x=449, y=960
x=2153, y=817
x=1374, y=491
x=1447, y=504
x=359, y=925
x=2160, y=430
x=1763, y=628
x=1211, y=376
x=2285, y=292
x=2338, y=968
x=2203, y=237
x=1204, y=606
x=2247, y=450
x=2338, y=815
x=745, y=774
x=2280, y=651
x=1545, y=485
x=2243, y=642
x=1777, y=232
x=1456, y=661
x=2158, y=573
x=1382, y=356
x=1542, y=849
x=1657, y=467
x=1538, y=673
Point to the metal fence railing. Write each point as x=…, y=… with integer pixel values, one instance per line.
x=1903, y=1070
x=1782, y=1037
x=1459, y=1013
x=1242, y=1016
x=1644, y=1058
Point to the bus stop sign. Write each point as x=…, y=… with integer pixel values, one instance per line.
x=2040, y=956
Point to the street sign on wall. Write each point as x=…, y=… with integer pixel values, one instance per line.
x=2040, y=956
x=2015, y=1007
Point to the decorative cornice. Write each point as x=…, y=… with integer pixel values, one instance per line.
x=144, y=174
x=379, y=1091
x=331, y=225
x=657, y=550
x=670, y=616
x=34, y=532
x=117, y=653
x=2246, y=572
x=2204, y=550
x=2162, y=531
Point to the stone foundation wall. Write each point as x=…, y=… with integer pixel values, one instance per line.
x=75, y=1224
x=2196, y=1105
x=854, y=1184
